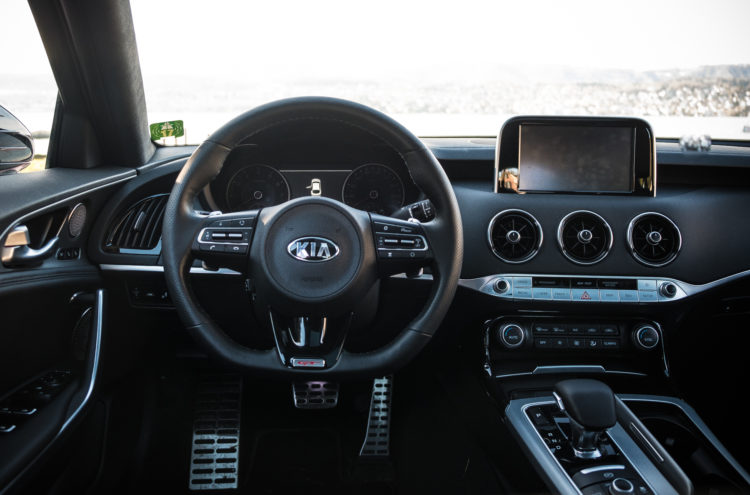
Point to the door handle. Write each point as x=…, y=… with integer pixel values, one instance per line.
x=25, y=256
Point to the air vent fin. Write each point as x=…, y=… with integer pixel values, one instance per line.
x=584, y=237
x=654, y=239
x=138, y=227
x=515, y=236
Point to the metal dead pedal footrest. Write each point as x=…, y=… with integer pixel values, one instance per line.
x=378, y=434
x=315, y=395
x=215, y=451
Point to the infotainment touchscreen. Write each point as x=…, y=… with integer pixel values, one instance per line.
x=575, y=158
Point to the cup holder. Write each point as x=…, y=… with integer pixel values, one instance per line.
x=708, y=469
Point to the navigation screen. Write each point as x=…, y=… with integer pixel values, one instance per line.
x=566, y=158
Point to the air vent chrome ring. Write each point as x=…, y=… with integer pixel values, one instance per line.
x=584, y=236
x=654, y=238
x=515, y=237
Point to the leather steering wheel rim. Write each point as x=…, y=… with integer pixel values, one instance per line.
x=206, y=162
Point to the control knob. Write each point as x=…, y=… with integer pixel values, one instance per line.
x=646, y=337
x=511, y=335
x=621, y=486
x=668, y=289
x=501, y=286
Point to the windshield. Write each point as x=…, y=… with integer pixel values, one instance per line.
x=452, y=69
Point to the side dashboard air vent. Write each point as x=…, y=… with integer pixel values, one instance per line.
x=138, y=227
x=514, y=236
x=584, y=237
x=654, y=239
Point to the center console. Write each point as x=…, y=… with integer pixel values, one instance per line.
x=585, y=440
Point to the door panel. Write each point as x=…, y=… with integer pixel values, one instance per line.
x=52, y=310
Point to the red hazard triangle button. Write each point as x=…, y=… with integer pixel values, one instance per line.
x=585, y=296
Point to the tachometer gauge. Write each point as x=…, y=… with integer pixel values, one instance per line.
x=256, y=186
x=375, y=188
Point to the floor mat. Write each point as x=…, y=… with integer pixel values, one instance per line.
x=287, y=460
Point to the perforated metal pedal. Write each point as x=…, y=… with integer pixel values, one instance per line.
x=215, y=451
x=315, y=395
x=378, y=434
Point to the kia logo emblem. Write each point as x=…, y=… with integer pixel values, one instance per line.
x=313, y=249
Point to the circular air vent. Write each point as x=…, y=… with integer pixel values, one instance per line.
x=515, y=236
x=654, y=239
x=584, y=237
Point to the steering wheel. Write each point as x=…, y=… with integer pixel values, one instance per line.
x=312, y=261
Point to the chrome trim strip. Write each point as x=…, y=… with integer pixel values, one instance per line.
x=685, y=289
x=629, y=239
x=655, y=453
x=561, y=245
x=160, y=269
x=585, y=368
x=536, y=223
x=697, y=421
x=546, y=370
x=596, y=469
x=97, y=343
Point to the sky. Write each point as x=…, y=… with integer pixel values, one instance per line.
x=356, y=39
x=274, y=43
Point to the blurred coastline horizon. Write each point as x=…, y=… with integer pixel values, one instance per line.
x=712, y=100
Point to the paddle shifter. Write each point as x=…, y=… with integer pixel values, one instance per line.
x=590, y=406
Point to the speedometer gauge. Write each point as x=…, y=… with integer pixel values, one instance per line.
x=256, y=186
x=375, y=188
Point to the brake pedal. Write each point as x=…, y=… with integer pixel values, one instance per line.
x=378, y=434
x=215, y=451
x=315, y=395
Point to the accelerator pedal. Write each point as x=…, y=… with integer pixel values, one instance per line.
x=315, y=395
x=378, y=434
x=215, y=452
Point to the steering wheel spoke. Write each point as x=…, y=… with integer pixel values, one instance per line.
x=402, y=246
x=223, y=240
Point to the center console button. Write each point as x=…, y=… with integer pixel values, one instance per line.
x=609, y=295
x=542, y=293
x=647, y=296
x=521, y=293
x=561, y=294
x=575, y=328
x=542, y=328
x=593, y=343
x=587, y=295
x=576, y=343
x=591, y=330
x=628, y=296
x=647, y=285
x=543, y=343
x=609, y=330
x=559, y=329
x=522, y=282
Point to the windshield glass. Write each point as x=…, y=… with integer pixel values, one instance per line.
x=452, y=69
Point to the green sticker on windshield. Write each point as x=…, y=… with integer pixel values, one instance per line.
x=171, y=128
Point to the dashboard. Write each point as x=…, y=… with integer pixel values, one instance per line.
x=271, y=169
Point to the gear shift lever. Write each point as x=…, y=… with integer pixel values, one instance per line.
x=590, y=406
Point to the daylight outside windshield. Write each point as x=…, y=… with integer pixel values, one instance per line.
x=453, y=69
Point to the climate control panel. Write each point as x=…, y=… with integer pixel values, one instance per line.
x=562, y=334
x=580, y=289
